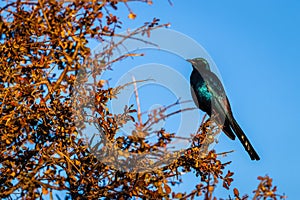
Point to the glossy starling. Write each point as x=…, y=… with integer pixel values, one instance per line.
x=209, y=95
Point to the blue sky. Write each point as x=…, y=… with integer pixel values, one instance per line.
x=255, y=47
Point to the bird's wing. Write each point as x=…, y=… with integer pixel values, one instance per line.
x=220, y=105
x=216, y=88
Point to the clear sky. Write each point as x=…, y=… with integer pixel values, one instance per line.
x=255, y=45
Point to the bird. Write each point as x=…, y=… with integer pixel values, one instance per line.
x=209, y=95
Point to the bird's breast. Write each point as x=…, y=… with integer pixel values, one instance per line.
x=203, y=92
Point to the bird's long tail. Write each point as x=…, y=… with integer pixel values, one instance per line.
x=244, y=140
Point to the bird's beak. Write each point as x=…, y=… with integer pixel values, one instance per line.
x=189, y=60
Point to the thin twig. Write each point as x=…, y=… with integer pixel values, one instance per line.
x=137, y=101
x=44, y=14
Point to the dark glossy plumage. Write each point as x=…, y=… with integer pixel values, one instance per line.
x=209, y=95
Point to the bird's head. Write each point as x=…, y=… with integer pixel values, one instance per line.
x=199, y=63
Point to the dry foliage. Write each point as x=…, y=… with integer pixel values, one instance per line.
x=43, y=50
